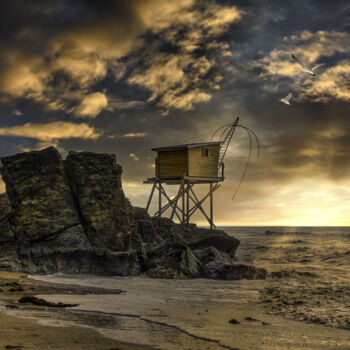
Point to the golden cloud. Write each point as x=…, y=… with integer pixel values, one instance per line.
x=83, y=68
x=159, y=14
x=181, y=80
x=92, y=105
x=330, y=81
x=52, y=131
x=168, y=82
x=23, y=78
x=83, y=54
x=135, y=134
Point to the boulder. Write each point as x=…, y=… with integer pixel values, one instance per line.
x=224, y=271
x=201, y=238
x=219, y=265
x=173, y=261
x=210, y=254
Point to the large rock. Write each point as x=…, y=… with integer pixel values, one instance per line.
x=211, y=251
x=105, y=212
x=219, y=265
x=210, y=254
x=56, y=231
x=45, y=222
x=72, y=216
x=229, y=271
x=200, y=238
x=9, y=259
x=173, y=261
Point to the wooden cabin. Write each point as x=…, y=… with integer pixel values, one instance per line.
x=198, y=160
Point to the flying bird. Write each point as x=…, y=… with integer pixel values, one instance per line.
x=306, y=69
x=286, y=99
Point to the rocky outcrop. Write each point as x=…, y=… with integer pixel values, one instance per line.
x=45, y=223
x=72, y=216
x=177, y=251
x=105, y=213
x=9, y=259
x=47, y=218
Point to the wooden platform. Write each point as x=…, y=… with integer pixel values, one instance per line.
x=188, y=179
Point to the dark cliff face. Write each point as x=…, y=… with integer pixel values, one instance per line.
x=72, y=216
x=9, y=259
x=57, y=219
x=45, y=223
x=96, y=189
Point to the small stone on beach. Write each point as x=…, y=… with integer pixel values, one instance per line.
x=250, y=319
x=233, y=321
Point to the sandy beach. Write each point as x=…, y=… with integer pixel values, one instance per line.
x=26, y=333
x=27, y=326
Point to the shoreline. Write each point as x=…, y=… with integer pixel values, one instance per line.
x=25, y=332
x=90, y=329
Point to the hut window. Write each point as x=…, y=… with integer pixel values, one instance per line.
x=204, y=152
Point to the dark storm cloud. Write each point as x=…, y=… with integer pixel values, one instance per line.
x=166, y=72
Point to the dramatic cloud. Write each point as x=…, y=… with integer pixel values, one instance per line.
x=331, y=80
x=125, y=76
x=79, y=56
x=181, y=79
x=92, y=105
x=51, y=131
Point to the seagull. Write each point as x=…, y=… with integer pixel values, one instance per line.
x=286, y=99
x=306, y=69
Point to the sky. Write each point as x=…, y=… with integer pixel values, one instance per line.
x=125, y=76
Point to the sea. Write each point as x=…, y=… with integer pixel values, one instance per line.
x=307, y=290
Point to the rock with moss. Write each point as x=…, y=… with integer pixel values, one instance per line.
x=173, y=260
x=211, y=252
x=43, y=216
x=56, y=222
x=96, y=187
x=9, y=259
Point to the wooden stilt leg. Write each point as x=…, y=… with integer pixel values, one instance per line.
x=199, y=206
x=187, y=204
x=183, y=203
x=195, y=207
x=176, y=201
x=150, y=197
x=211, y=205
x=160, y=198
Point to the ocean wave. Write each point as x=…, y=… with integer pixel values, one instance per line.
x=296, y=233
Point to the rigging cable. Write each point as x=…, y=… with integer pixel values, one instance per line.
x=246, y=165
x=250, y=133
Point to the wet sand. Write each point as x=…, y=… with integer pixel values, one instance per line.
x=140, y=315
x=26, y=333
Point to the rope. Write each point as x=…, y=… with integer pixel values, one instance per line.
x=246, y=165
x=250, y=133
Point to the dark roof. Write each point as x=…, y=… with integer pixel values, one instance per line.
x=186, y=146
